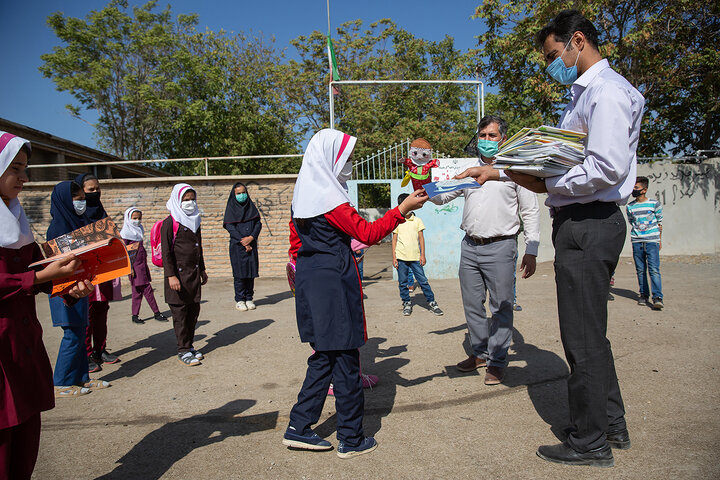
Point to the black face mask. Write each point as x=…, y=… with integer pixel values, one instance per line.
x=93, y=199
x=635, y=193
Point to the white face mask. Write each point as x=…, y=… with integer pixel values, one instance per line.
x=80, y=206
x=189, y=207
x=345, y=173
x=135, y=222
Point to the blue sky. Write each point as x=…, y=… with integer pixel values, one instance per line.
x=32, y=100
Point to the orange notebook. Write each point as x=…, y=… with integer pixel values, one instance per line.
x=99, y=247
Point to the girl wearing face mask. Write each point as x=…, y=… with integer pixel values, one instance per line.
x=184, y=268
x=96, y=334
x=67, y=209
x=242, y=221
x=329, y=298
x=132, y=231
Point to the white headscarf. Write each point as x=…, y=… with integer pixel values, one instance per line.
x=130, y=231
x=14, y=227
x=174, y=205
x=317, y=190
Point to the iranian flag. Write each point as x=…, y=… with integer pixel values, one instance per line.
x=334, y=74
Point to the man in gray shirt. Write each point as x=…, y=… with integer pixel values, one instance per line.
x=491, y=221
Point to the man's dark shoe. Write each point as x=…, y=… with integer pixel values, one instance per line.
x=471, y=363
x=561, y=453
x=494, y=375
x=136, y=319
x=307, y=441
x=367, y=445
x=619, y=439
x=160, y=317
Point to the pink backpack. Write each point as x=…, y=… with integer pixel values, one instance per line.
x=155, y=238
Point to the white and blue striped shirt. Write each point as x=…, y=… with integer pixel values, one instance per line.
x=645, y=219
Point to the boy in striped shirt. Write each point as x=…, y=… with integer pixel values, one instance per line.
x=645, y=217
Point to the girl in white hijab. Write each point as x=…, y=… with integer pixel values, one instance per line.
x=328, y=292
x=27, y=377
x=133, y=231
x=184, y=268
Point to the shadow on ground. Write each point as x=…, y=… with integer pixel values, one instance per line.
x=155, y=454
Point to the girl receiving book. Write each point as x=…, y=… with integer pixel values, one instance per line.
x=132, y=231
x=184, y=268
x=26, y=385
x=328, y=301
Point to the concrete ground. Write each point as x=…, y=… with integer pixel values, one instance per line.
x=225, y=419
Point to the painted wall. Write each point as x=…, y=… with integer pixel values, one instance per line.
x=690, y=195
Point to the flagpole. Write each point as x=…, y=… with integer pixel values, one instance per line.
x=330, y=87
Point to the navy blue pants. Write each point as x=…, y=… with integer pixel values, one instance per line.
x=244, y=289
x=342, y=367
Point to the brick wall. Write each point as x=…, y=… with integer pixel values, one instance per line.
x=272, y=195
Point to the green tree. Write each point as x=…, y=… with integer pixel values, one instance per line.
x=668, y=49
x=380, y=115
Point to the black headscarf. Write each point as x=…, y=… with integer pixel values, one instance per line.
x=64, y=218
x=236, y=212
x=95, y=210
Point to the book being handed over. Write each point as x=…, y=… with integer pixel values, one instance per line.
x=100, y=249
x=542, y=152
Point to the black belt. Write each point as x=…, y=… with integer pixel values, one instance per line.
x=485, y=241
x=569, y=210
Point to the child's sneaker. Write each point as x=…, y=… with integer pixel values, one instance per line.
x=160, y=317
x=108, y=357
x=94, y=364
x=136, y=319
x=642, y=301
x=197, y=354
x=657, y=304
x=367, y=445
x=250, y=305
x=241, y=306
x=188, y=359
x=309, y=441
x=407, y=308
x=435, y=309
x=517, y=307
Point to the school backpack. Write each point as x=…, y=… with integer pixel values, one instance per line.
x=155, y=238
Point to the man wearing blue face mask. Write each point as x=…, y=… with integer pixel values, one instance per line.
x=491, y=221
x=588, y=231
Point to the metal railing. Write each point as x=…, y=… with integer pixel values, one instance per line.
x=386, y=164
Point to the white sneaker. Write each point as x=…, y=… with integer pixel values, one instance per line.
x=250, y=305
x=241, y=306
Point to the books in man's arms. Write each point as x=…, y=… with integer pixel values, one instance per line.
x=100, y=249
x=542, y=152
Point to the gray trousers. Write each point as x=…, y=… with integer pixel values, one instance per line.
x=488, y=269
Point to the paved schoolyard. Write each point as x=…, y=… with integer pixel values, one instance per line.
x=225, y=419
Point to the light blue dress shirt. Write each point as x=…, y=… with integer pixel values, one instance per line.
x=609, y=109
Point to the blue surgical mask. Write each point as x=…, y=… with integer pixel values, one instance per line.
x=80, y=206
x=559, y=72
x=488, y=148
x=241, y=197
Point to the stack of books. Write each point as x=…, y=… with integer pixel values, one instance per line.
x=542, y=152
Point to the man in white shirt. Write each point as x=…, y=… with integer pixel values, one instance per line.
x=491, y=221
x=588, y=231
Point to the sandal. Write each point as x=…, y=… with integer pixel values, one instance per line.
x=97, y=384
x=71, y=391
x=188, y=359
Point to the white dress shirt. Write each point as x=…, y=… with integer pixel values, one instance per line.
x=609, y=109
x=492, y=211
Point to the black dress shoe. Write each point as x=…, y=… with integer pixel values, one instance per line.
x=619, y=439
x=136, y=319
x=160, y=317
x=561, y=453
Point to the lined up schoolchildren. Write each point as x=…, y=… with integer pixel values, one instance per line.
x=26, y=384
x=329, y=299
x=133, y=231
